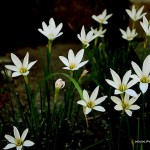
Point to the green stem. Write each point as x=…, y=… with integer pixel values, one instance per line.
x=119, y=131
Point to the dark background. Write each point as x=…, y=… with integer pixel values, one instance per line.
x=20, y=20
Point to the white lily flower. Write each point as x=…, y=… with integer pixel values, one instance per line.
x=18, y=141
x=92, y=102
x=142, y=76
x=20, y=68
x=99, y=32
x=102, y=18
x=73, y=62
x=146, y=26
x=134, y=14
x=86, y=38
x=128, y=35
x=122, y=86
x=51, y=31
x=125, y=104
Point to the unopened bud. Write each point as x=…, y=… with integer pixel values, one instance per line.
x=84, y=73
x=59, y=84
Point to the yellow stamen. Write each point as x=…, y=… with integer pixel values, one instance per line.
x=122, y=88
x=72, y=66
x=145, y=79
x=90, y=104
x=23, y=70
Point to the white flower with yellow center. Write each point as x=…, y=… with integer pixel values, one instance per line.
x=134, y=14
x=125, y=104
x=51, y=31
x=122, y=86
x=91, y=102
x=73, y=62
x=18, y=141
x=20, y=68
x=146, y=26
x=99, y=32
x=86, y=38
x=129, y=35
x=102, y=18
x=142, y=76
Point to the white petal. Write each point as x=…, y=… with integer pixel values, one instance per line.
x=100, y=100
x=87, y=110
x=117, y=92
x=28, y=143
x=8, y=146
x=64, y=60
x=116, y=100
x=129, y=112
x=132, y=82
x=11, y=67
x=131, y=92
x=24, y=134
x=115, y=77
x=83, y=33
x=82, y=102
x=26, y=60
x=136, y=69
x=82, y=64
x=16, y=60
x=134, y=107
x=71, y=57
x=19, y=147
x=143, y=87
x=99, y=108
x=10, y=138
x=86, y=95
x=79, y=56
x=126, y=77
x=16, y=74
x=146, y=66
x=31, y=64
x=16, y=133
x=133, y=99
x=94, y=94
x=112, y=83
x=118, y=107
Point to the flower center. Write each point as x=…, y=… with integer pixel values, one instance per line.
x=122, y=88
x=18, y=142
x=23, y=70
x=130, y=38
x=51, y=36
x=90, y=104
x=125, y=105
x=145, y=79
x=72, y=66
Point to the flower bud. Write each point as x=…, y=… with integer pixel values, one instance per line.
x=59, y=84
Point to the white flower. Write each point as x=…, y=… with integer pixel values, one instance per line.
x=123, y=85
x=99, y=32
x=142, y=76
x=128, y=35
x=73, y=62
x=102, y=18
x=20, y=68
x=18, y=141
x=51, y=31
x=59, y=84
x=125, y=104
x=86, y=38
x=146, y=26
x=91, y=102
x=135, y=15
